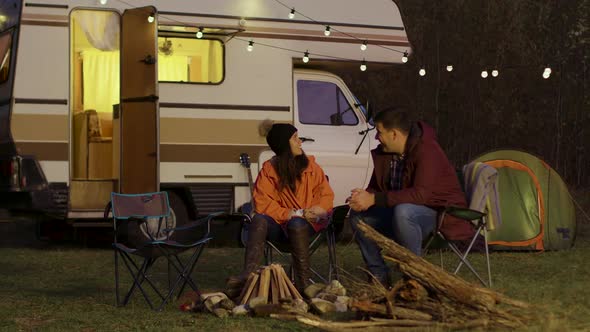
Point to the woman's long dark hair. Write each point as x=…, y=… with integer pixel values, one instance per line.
x=289, y=168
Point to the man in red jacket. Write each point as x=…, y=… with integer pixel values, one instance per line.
x=412, y=181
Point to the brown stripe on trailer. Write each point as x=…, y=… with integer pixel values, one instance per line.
x=208, y=153
x=44, y=150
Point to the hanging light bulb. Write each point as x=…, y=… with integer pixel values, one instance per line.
x=103, y=2
x=495, y=73
x=364, y=46
x=546, y=73
x=363, y=65
x=250, y=46
x=151, y=18
x=484, y=74
x=306, y=57
x=327, y=31
x=405, y=57
x=548, y=70
x=292, y=13
x=422, y=72
x=200, y=33
x=450, y=68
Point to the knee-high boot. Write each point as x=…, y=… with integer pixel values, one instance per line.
x=299, y=240
x=257, y=231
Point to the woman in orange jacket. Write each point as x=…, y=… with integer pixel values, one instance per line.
x=292, y=201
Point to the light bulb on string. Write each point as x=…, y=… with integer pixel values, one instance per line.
x=292, y=13
x=548, y=70
x=103, y=2
x=151, y=18
x=546, y=74
x=306, y=57
x=495, y=73
x=200, y=33
x=327, y=31
x=405, y=57
x=484, y=74
x=250, y=46
x=363, y=65
x=422, y=72
x=449, y=68
x=364, y=46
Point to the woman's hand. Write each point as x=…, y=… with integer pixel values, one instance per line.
x=314, y=214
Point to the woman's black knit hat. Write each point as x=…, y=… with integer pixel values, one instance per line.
x=278, y=137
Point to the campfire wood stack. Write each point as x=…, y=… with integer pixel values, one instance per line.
x=270, y=284
x=427, y=297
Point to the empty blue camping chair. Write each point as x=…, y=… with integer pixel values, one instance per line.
x=150, y=214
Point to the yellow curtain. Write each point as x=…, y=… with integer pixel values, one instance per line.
x=101, y=80
x=172, y=68
x=215, y=62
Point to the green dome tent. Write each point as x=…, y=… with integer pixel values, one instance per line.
x=536, y=207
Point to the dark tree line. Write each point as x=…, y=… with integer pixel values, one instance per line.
x=518, y=109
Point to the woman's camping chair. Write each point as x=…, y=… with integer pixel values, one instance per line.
x=150, y=212
x=480, y=182
x=327, y=235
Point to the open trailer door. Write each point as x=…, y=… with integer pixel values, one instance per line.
x=138, y=114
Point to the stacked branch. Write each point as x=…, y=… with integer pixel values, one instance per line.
x=268, y=285
x=430, y=289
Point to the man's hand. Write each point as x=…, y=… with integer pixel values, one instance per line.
x=361, y=200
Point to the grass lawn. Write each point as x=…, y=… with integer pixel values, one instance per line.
x=72, y=288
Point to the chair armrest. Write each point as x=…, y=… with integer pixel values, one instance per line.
x=197, y=223
x=464, y=213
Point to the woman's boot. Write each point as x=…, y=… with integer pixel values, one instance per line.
x=298, y=234
x=257, y=231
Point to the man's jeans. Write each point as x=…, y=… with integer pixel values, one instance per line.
x=406, y=224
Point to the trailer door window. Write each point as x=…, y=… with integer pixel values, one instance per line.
x=190, y=60
x=5, y=46
x=323, y=103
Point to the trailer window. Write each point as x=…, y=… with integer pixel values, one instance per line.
x=5, y=46
x=190, y=60
x=323, y=103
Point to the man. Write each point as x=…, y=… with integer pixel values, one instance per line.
x=292, y=199
x=412, y=181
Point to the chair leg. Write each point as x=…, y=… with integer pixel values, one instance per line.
x=466, y=262
x=485, y=236
x=468, y=250
x=117, y=296
x=333, y=268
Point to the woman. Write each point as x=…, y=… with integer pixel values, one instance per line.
x=292, y=199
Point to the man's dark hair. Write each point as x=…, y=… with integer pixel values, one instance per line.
x=395, y=118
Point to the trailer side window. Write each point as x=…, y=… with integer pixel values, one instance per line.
x=190, y=60
x=5, y=46
x=323, y=103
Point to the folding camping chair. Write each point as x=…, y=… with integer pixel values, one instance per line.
x=478, y=219
x=480, y=184
x=150, y=212
x=328, y=235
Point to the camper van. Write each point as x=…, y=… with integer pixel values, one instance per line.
x=101, y=96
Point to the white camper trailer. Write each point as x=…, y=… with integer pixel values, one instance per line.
x=167, y=95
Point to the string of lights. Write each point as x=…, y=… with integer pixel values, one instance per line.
x=495, y=72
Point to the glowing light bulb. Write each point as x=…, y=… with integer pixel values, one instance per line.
x=200, y=33
x=363, y=65
x=484, y=74
x=103, y=2
x=151, y=18
x=422, y=72
x=548, y=70
x=546, y=74
x=364, y=46
x=292, y=14
x=327, y=31
x=405, y=58
x=450, y=68
x=495, y=73
x=250, y=46
x=306, y=57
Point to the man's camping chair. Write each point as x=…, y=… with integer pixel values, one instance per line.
x=150, y=212
x=328, y=235
x=480, y=183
